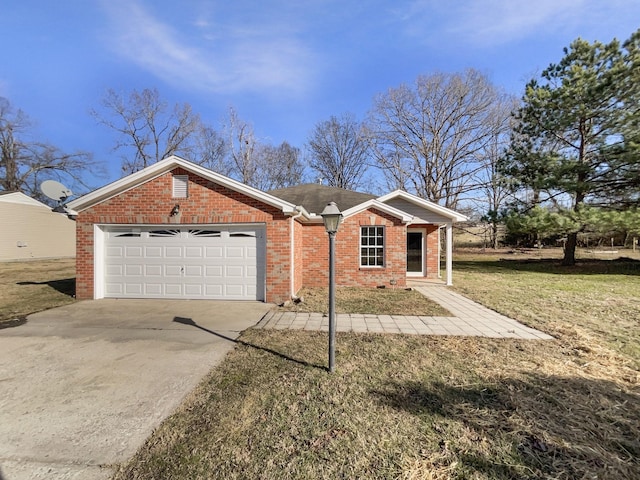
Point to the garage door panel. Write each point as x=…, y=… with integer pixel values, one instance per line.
x=153, y=289
x=153, y=251
x=214, y=252
x=234, y=252
x=115, y=270
x=133, y=288
x=173, y=270
x=153, y=270
x=213, y=291
x=173, y=252
x=234, y=271
x=115, y=251
x=193, y=271
x=173, y=289
x=193, y=290
x=133, y=270
x=113, y=289
x=193, y=252
x=213, y=271
x=221, y=263
x=133, y=252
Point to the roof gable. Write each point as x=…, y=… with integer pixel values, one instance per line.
x=21, y=199
x=394, y=212
x=163, y=166
x=435, y=213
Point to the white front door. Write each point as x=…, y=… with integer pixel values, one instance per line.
x=218, y=262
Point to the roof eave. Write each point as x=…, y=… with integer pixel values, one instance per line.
x=166, y=165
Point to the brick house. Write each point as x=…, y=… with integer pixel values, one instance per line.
x=178, y=230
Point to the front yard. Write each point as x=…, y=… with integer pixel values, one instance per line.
x=412, y=407
x=429, y=407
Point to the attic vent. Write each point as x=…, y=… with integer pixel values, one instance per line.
x=180, y=183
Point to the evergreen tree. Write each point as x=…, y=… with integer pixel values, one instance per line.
x=576, y=137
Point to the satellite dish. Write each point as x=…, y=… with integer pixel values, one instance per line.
x=55, y=190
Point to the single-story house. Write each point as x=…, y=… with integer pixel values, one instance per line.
x=30, y=229
x=178, y=230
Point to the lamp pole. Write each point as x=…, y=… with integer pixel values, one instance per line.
x=332, y=301
x=331, y=216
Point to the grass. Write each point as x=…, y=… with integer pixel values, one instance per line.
x=379, y=301
x=412, y=407
x=33, y=286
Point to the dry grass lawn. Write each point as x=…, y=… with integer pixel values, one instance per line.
x=412, y=407
x=379, y=301
x=33, y=286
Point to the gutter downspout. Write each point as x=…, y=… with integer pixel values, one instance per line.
x=292, y=252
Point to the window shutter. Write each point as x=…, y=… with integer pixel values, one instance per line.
x=180, y=183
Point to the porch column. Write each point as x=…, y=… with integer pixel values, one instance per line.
x=449, y=259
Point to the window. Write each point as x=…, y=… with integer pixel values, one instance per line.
x=372, y=246
x=180, y=183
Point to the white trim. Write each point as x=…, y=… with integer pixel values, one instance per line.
x=292, y=256
x=423, y=232
x=163, y=166
x=426, y=204
x=449, y=261
x=98, y=261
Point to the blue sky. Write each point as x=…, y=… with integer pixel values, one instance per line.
x=284, y=65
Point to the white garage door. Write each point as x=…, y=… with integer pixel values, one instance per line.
x=212, y=262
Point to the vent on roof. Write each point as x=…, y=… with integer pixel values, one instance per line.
x=180, y=183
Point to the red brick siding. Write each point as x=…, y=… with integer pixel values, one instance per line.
x=151, y=203
x=298, y=256
x=433, y=259
x=348, y=270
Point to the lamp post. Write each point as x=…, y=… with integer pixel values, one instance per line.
x=331, y=216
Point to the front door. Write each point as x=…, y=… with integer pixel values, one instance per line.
x=415, y=253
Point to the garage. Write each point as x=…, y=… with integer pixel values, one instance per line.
x=217, y=262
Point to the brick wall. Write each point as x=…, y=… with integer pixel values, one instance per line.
x=151, y=204
x=348, y=269
x=433, y=260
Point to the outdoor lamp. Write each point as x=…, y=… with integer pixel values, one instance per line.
x=331, y=217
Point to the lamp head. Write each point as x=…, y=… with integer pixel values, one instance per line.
x=331, y=216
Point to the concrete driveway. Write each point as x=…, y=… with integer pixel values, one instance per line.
x=82, y=386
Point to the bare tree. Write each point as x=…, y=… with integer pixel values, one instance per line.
x=427, y=138
x=493, y=190
x=259, y=164
x=25, y=163
x=278, y=167
x=339, y=151
x=210, y=150
x=242, y=144
x=148, y=129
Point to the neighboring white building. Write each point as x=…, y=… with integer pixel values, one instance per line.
x=29, y=229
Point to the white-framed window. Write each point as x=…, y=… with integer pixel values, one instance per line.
x=180, y=186
x=372, y=246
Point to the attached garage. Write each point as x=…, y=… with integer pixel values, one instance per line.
x=217, y=262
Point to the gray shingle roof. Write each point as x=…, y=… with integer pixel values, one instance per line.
x=314, y=197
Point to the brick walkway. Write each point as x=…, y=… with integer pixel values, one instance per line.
x=470, y=319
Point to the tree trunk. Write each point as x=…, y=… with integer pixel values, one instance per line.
x=494, y=235
x=570, y=250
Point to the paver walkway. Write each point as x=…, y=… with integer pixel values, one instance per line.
x=470, y=319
